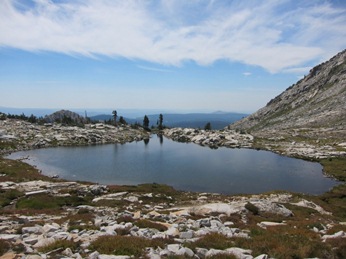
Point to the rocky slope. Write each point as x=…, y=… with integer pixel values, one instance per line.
x=308, y=119
x=65, y=114
x=318, y=100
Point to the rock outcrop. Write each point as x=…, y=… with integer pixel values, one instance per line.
x=25, y=135
x=211, y=138
x=62, y=115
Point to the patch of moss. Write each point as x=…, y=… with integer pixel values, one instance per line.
x=335, y=166
x=45, y=201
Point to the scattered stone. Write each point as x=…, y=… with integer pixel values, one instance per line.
x=335, y=235
x=265, y=224
x=311, y=205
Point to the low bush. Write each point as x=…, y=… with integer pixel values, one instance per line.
x=4, y=246
x=124, y=245
x=60, y=245
x=252, y=208
x=38, y=202
x=46, y=201
x=212, y=240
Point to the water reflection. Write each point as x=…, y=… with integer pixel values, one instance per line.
x=184, y=166
x=161, y=138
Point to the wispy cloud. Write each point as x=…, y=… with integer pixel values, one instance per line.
x=154, y=69
x=247, y=73
x=274, y=35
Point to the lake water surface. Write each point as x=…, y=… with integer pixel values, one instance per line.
x=184, y=166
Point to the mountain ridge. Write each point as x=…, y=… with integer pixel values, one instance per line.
x=318, y=100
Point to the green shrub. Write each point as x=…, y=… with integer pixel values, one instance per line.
x=252, y=208
x=46, y=201
x=7, y=196
x=38, y=202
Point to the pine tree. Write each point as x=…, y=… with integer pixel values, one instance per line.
x=160, y=121
x=115, y=115
x=146, y=122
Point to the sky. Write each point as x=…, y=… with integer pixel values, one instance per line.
x=169, y=55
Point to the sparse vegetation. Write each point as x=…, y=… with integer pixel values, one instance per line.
x=212, y=240
x=18, y=171
x=335, y=166
x=59, y=245
x=46, y=201
x=252, y=208
x=144, y=223
x=124, y=245
x=4, y=246
x=285, y=242
x=7, y=196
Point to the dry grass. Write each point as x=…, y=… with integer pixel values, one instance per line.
x=144, y=223
x=285, y=242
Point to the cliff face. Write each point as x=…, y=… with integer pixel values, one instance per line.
x=317, y=101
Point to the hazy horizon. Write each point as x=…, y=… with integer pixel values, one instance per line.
x=129, y=113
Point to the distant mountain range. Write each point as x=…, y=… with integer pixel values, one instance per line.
x=218, y=120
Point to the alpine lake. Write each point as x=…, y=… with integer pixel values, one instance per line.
x=184, y=166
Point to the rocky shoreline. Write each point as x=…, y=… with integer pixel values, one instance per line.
x=26, y=135
x=293, y=143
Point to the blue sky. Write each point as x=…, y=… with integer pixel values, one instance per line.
x=172, y=55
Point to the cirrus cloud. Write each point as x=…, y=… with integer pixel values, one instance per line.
x=274, y=35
